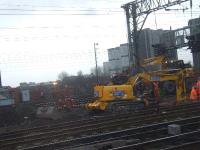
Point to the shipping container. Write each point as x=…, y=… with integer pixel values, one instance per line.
x=7, y=102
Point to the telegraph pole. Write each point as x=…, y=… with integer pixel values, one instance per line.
x=96, y=69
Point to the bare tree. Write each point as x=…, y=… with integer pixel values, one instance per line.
x=82, y=85
x=62, y=75
x=79, y=73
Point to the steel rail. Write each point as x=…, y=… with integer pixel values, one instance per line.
x=82, y=122
x=72, y=123
x=22, y=132
x=136, y=119
x=86, y=121
x=138, y=132
x=92, y=128
x=147, y=133
x=141, y=145
x=194, y=145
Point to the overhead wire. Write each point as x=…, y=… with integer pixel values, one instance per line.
x=55, y=59
x=30, y=58
x=17, y=7
x=64, y=65
x=52, y=6
x=108, y=11
x=75, y=14
x=14, y=66
x=88, y=9
x=60, y=14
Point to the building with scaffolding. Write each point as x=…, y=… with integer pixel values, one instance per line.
x=194, y=43
x=118, y=57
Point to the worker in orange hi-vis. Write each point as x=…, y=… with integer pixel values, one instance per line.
x=198, y=86
x=156, y=90
x=157, y=95
x=194, y=94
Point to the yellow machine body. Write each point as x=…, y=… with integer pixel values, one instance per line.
x=106, y=94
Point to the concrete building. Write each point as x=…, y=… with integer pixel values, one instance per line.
x=149, y=37
x=195, y=30
x=117, y=59
x=119, y=56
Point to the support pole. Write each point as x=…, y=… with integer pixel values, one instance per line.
x=96, y=68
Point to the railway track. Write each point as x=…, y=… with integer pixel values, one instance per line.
x=87, y=121
x=186, y=141
x=139, y=136
x=96, y=127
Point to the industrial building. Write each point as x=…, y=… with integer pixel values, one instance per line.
x=118, y=58
x=194, y=25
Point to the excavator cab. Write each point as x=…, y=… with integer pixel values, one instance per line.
x=119, y=78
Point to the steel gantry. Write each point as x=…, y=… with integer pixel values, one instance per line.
x=136, y=15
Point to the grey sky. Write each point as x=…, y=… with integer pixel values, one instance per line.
x=38, y=47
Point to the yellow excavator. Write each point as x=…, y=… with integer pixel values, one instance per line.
x=126, y=91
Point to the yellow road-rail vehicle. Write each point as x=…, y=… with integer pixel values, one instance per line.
x=124, y=92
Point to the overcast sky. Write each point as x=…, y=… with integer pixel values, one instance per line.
x=59, y=35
